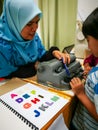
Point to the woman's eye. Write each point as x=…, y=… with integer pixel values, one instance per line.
x=32, y=23
x=37, y=22
x=29, y=24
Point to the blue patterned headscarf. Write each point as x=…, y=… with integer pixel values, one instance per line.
x=16, y=14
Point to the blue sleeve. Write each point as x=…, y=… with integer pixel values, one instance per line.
x=94, y=73
x=96, y=97
x=5, y=67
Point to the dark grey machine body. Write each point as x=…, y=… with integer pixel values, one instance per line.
x=53, y=74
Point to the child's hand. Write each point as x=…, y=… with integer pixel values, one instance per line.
x=87, y=68
x=77, y=86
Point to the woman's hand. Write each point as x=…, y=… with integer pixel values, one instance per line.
x=36, y=64
x=59, y=55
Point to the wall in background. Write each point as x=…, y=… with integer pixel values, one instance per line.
x=85, y=7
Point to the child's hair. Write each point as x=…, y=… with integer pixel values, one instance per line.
x=90, y=25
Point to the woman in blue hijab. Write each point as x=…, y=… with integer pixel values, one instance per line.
x=20, y=46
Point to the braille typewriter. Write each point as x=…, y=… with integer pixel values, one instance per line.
x=53, y=73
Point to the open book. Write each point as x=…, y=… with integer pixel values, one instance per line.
x=33, y=105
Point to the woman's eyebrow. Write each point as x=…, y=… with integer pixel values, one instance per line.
x=34, y=20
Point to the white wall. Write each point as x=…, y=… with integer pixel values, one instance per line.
x=85, y=7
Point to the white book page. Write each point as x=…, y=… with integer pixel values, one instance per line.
x=9, y=121
x=35, y=104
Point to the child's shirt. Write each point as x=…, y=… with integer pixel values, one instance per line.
x=82, y=119
x=92, y=60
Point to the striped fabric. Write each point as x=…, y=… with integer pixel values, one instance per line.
x=82, y=119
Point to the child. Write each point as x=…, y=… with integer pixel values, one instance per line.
x=86, y=114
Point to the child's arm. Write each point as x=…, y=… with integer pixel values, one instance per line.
x=78, y=88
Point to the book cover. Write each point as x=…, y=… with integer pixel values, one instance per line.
x=34, y=105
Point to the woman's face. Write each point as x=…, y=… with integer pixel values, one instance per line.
x=29, y=30
x=93, y=45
